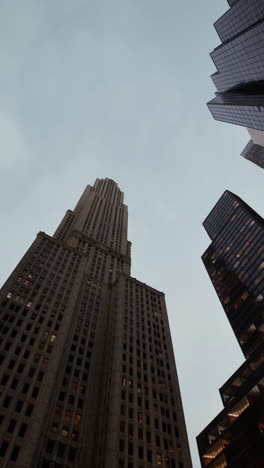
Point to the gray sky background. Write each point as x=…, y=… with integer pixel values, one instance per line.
x=117, y=89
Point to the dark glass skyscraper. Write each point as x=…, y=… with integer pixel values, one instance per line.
x=239, y=60
x=87, y=377
x=254, y=153
x=235, y=264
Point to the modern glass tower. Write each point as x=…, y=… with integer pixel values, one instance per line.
x=88, y=376
x=239, y=61
x=235, y=264
x=254, y=153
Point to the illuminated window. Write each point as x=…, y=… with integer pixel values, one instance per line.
x=74, y=435
x=217, y=448
x=77, y=418
x=239, y=408
x=261, y=426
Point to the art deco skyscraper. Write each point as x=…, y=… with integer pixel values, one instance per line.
x=88, y=377
x=239, y=78
x=235, y=264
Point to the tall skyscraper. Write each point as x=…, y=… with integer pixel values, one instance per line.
x=88, y=376
x=239, y=60
x=235, y=264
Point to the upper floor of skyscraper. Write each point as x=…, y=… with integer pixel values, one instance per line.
x=101, y=215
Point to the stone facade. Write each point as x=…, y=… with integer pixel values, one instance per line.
x=88, y=377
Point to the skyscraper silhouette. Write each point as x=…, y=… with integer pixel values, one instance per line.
x=88, y=377
x=235, y=264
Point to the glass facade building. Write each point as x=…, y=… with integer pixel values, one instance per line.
x=254, y=153
x=88, y=376
x=239, y=61
x=235, y=264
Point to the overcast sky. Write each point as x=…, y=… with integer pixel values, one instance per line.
x=118, y=89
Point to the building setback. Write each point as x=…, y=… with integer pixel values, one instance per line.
x=254, y=153
x=88, y=376
x=235, y=264
x=239, y=61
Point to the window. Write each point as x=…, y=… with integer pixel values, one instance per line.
x=74, y=435
x=20, y=368
x=50, y=446
x=65, y=431
x=22, y=431
x=29, y=410
x=25, y=388
x=17, y=351
x=19, y=406
x=121, y=445
x=77, y=418
x=72, y=453
x=130, y=448
x=26, y=353
x=61, y=450
x=4, y=380
x=68, y=415
x=11, y=426
x=58, y=411
x=15, y=453
x=31, y=372
x=149, y=456
x=130, y=429
x=3, y=448
x=122, y=426
x=11, y=364
x=7, y=401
